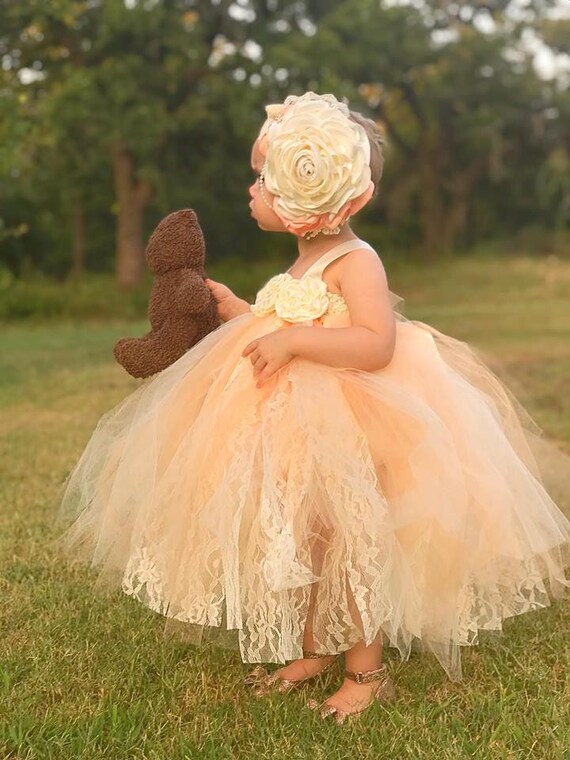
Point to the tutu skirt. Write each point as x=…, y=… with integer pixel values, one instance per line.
x=409, y=502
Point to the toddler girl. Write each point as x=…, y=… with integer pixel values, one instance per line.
x=320, y=475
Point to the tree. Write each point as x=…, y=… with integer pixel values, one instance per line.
x=458, y=102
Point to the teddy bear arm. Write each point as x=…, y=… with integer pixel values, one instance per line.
x=192, y=295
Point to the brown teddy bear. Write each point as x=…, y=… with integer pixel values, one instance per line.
x=181, y=309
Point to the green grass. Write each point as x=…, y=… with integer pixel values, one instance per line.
x=86, y=677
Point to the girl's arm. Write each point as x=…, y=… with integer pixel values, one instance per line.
x=241, y=306
x=370, y=341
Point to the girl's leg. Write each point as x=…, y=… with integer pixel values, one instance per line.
x=304, y=668
x=362, y=657
x=352, y=696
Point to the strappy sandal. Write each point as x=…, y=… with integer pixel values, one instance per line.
x=261, y=682
x=385, y=693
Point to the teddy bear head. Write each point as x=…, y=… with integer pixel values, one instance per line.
x=176, y=243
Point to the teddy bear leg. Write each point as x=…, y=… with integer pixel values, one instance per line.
x=143, y=357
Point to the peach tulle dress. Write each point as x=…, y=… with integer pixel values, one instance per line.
x=407, y=501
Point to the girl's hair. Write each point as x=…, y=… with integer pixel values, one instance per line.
x=376, y=140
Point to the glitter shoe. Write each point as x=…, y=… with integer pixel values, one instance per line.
x=261, y=682
x=385, y=693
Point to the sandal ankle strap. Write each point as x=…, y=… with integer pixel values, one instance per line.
x=364, y=676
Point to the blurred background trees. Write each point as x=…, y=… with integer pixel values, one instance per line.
x=115, y=112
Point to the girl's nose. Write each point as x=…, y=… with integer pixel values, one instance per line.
x=251, y=189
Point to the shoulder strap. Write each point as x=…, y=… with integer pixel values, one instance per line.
x=317, y=268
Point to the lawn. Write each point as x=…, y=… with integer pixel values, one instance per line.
x=87, y=677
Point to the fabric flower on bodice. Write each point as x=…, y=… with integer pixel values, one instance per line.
x=265, y=299
x=292, y=299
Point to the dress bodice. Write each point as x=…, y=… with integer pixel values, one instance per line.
x=305, y=298
x=337, y=304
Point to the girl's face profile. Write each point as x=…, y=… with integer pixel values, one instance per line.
x=265, y=217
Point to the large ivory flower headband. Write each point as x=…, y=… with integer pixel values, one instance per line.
x=317, y=163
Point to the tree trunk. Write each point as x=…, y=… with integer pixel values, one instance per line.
x=77, y=241
x=431, y=208
x=454, y=222
x=132, y=199
x=460, y=189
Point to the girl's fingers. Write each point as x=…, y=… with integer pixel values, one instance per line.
x=249, y=348
x=259, y=364
x=263, y=376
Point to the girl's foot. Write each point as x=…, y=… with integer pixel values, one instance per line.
x=290, y=676
x=351, y=696
x=356, y=694
x=305, y=667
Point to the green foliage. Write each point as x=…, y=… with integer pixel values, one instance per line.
x=38, y=299
x=475, y=143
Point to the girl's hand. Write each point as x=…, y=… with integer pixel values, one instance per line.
x=268, y=354
x=228, y=304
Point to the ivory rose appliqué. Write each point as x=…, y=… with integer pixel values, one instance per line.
x=291, y=299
